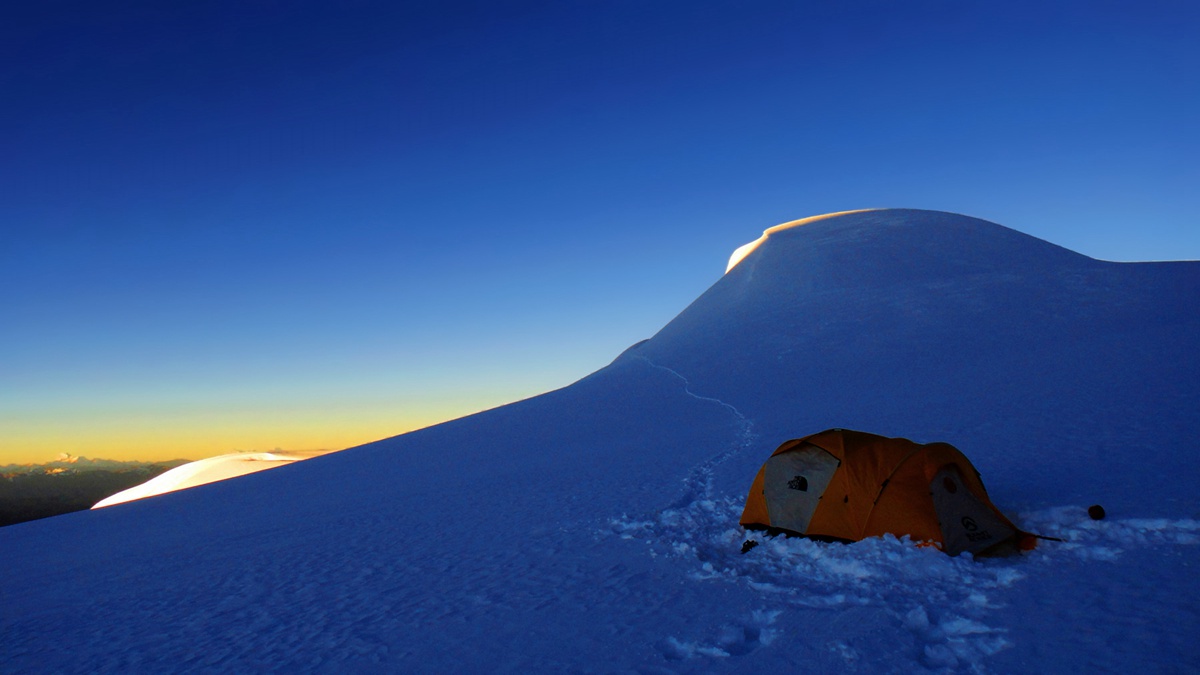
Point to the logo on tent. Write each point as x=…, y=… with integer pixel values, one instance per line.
x=799, y=483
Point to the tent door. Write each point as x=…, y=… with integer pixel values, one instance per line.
x=793, y=484
x=967, y=523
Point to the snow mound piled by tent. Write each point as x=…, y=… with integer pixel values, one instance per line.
x=594, y=528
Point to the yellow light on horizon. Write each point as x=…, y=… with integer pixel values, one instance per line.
x=152, y=433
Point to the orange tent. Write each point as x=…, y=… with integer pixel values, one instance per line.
x=849, y=485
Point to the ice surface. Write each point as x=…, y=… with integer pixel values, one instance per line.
x=594, y=528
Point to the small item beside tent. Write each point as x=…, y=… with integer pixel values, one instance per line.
x=849, y=485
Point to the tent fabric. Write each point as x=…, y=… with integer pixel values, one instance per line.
x=794, y=482
x=850, y=485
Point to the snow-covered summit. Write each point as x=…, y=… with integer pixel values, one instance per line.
x=938, y=326
x=594, y=528
x=740, y=253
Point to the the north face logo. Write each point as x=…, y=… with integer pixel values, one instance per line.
x=799, y=483
x=973, y=533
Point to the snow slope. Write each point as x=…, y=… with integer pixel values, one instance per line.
x=201, y=472
x=594, y=528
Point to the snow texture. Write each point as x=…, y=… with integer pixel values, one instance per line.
x=594, y=528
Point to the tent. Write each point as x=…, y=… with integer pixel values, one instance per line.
x=849, y=485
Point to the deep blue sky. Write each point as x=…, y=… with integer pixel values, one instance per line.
x=256, y=224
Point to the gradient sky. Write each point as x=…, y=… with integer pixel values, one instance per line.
x=248, y=225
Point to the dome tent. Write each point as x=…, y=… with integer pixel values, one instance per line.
x=849, y=485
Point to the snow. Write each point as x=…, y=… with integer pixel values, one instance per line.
x=200, y=472
x=744, y=250
x=594, y=528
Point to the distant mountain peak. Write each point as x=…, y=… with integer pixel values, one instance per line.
x=78, y=464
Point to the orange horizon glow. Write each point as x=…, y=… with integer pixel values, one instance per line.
x=134, y=449
x=195, y=436
x=155, y=423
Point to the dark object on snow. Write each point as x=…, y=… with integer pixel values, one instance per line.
x=1096, y=512
x=748, y=544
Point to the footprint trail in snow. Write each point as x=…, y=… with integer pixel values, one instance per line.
x=699, y=483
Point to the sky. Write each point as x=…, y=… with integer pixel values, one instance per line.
x=256, y=225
